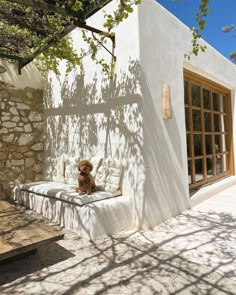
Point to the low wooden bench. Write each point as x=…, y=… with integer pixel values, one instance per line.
x=21, y=233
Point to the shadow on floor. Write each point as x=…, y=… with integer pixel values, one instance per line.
x=21, y=266
x=194, y=253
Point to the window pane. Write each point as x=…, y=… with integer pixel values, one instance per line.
x=209, y=167
x=217, y=144
x=195, y=91
x=187, y=110
x=207, y=122
x=206, y=99
x=224, y=143
x=197, y=120
x=216, y=103
x=224, y=101
x=198, y=170
x=189, y=145
x=225, y=163
x=208, y=141
x=217, y=121
x=189, y=172
x=197, y=145
x=225, y=123
x=221, y=105
x=218, y=165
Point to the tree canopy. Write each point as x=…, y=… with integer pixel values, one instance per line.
x=38, y=30
x=44, y=37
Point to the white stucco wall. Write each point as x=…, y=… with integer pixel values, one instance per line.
x=163, y=42
x=30, y=76
x=87, y=115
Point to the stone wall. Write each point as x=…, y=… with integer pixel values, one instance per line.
x=21, y=137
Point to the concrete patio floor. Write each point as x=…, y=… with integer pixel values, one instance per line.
x=194, y=253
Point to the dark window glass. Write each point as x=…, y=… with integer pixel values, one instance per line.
x=206, y=99
x=197, y=144
x=197, y=120
x=216, y=102
x=195, y=91
x=207, y=121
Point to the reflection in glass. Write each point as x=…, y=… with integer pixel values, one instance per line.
x=198, y=170
x=208, y=142
x=206, y=99
x=225, y=122
x=225, y=163
x=217, y=122
x=217, y=144
x=207, y=121
x=197, y=144
x=224, y=109
x=218, y=165
x=187, y=118
x=189, y=172
x=224, y=143
x=209, y=163
x=196, y=95
x=216, y=103
x=197, y=120
x=189, y=145
x=221, y=103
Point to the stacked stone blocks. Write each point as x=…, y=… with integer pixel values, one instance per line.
x=21, y=137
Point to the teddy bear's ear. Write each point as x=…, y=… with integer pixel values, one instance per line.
x=91, y=167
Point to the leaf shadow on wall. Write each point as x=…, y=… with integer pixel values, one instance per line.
x=99, y=119
x=122, y=120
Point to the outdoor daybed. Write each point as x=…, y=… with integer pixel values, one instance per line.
x=102, y=213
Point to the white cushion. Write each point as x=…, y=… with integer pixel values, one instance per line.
x=109, y=175
x=96, y=161
x=65, y=192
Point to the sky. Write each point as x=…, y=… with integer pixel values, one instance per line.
x=223, y=13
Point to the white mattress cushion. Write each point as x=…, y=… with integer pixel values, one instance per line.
x=108, y=176
x=65, y=192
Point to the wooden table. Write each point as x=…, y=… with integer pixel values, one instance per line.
x=21, y=233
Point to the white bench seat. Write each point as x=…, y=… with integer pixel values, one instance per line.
x=65, y=192
x=91, y=216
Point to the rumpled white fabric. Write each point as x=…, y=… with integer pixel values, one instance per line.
x=65, y=192
x=109, y=175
